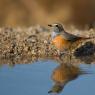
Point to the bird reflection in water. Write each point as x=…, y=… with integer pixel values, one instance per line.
x=64, y=74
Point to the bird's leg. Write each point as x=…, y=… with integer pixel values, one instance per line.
x=61, y=53
x=70, y=54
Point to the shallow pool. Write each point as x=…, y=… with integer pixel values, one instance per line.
x=35, y=79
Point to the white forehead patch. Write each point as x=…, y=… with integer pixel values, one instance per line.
x=55, y=24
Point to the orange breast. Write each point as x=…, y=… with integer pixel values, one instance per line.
x=60, y=43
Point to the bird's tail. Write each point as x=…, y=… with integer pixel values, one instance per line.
x=86, y=71
x=84, y=38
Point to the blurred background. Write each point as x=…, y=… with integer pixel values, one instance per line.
x=31, y=12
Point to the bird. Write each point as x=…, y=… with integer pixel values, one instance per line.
x=63, y=74
x=63, y=40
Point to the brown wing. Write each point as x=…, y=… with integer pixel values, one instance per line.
x=71, y=37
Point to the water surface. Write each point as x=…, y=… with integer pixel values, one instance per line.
x=35, y=79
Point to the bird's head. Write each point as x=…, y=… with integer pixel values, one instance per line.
x=56, y=89
x=56, y=27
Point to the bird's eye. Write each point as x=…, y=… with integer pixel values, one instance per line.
x=56, y=25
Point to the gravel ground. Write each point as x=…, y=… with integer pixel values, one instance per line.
x=26, y=45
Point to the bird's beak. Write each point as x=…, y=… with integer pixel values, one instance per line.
x=49, y=25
